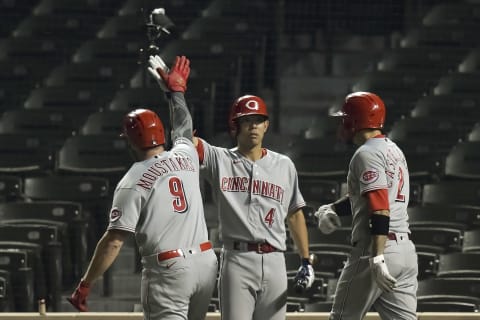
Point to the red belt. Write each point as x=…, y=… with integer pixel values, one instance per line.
x=393, y=236
x=179, y=252
x=258, y=247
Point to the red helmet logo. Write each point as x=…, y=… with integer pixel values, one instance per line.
x=244, y=106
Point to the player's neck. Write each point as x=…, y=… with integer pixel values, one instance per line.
x=363, y=135
x=150, y=153
x=254, y=153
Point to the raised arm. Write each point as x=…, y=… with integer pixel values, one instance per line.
x=174, y=83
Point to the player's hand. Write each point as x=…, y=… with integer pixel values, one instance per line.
x=381, y=274
x=175, y=79
x=79, y=297
x=328, y=220
x=304, y=277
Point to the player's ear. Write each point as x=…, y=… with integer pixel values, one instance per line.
x=267, y=123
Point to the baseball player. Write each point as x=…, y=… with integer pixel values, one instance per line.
x=159, y=200
x=257, y=190
x=382, y=268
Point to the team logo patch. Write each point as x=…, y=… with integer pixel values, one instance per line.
x=369, y=176
x=115, y=214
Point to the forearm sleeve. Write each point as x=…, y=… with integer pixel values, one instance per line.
x=181, y=120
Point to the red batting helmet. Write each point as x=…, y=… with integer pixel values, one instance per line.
x=361, y=110
x=143, y=128
x=245, y=106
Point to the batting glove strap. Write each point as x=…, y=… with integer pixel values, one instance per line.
x=381, y=274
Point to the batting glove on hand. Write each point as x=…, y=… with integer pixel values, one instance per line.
x=79, y=297
x=328, y=220
x=380, y=273
x=174, y=80
x=304, y=277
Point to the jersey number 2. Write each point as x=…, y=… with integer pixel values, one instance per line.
x=269, y=217
x=180, y=204
x=401, y=182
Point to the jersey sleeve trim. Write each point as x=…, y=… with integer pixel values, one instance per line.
x=121, y=228
x=297, y=207
x=364, y=191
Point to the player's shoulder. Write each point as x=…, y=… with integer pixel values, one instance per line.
x=277, y=156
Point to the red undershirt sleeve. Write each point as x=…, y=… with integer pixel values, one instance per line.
x=377, y=200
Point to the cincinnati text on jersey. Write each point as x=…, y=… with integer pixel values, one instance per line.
x=165, y=166
x=258, y=187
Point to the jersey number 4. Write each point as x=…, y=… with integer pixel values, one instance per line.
x=179, y=202
x=269, y=217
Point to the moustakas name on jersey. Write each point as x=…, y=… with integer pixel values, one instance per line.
x=162, y=167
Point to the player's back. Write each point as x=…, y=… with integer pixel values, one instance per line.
x=170, y=202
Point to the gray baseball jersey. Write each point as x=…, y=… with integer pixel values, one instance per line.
x=253, y=199
x=159, y=200
x=378, y=164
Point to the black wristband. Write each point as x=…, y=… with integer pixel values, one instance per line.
x=380, y=224
x=343, y=207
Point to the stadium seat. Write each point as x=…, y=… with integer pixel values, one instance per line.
x=448, y=290
x=461, y=13
x=61, y=7
x=442, y=133
x=459, y=264
x=54, y=26
x=36, y=261
x=76, y=100
x=90, y=74
x=94, y=154
x=462, y=161
x=6, y=292
x=23, y=49
x=127, y=26
x=47, y=238
x=109, y=50
x=16, y=262
x=67, y=212
x=10, y=187
x=446, y=306
x=474, y=134
x=127, y=99
x=12, y=13
x=460, y=106
x=452, y=192
x=471, y=63
x=436, y=239
x=104, y=123
x=471, y=241
x=427, y=264
x=442, y=215
x=52, y=124
x=456, y=36
x=24, y=153
x=382, y=82
x=458, y=83
x=321, y=127
x=414, y=59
